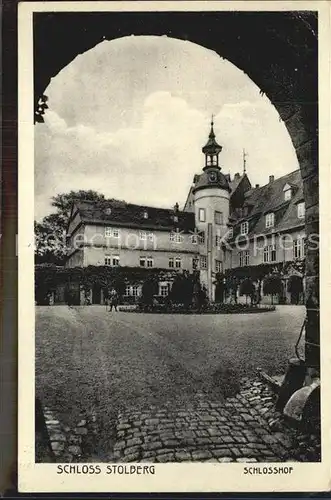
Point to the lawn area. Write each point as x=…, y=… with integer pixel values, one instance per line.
x=90, y=360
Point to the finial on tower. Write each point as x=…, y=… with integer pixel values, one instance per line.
x=212, y=133
x=244, y=160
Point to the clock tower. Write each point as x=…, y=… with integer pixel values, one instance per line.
x=211, y=194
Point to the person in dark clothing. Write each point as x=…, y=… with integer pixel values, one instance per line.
x=113, y=300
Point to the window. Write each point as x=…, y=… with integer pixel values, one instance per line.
x=171, y=262
x=195, y=263
x=202, y=238
x=151, y=236
x=146, y=261
x=203, y=262
x=270, y=220
x=112, y=232
x=164, y=290
x=202, y=215
x=287, y=189
x=299, y=248
x=230, y=232
x=132, y=290
x=175, y=218
x=150, y=262
x=301, y=210
x=244, y=228
x=115, y=260
x=143, y=235
x=212, y=160
x=244, y=258
x=288, y=194
x=269, y=253
x=218, y=266
x=145, y=214
x=194, y=239
x=176, y=237
x=112, y=260
x=178, y=262
x=218, y=217
x=218, y=240
x=108, y=211
x=142, y=261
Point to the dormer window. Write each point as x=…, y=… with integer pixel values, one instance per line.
x=270, y=220
x=301, y=210
x=108, y=211
x=176, y=237
x=287, y=190
x=175, y=218
x=244, y=228
x=145, y=214
x=288, y=194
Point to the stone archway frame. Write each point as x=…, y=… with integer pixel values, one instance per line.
x=277, y=50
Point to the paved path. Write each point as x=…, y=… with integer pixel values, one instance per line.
x=152, y=387
x=244, y=428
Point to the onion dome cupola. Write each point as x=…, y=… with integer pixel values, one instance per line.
x=212, y=149
x=212, y=175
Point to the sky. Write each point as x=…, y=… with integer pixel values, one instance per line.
x=129, y=117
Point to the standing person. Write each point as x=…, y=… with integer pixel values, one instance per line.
x=113, y=300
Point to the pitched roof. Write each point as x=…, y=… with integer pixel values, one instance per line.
x=235, y=182
x=120, y=213
x=270, y=198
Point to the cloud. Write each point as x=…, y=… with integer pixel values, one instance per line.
x=136, y=163
x=135, y=131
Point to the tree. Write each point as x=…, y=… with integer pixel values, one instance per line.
x=272, y=285
x=148, y=290
x=182, y=289
x=50, y=232
x=247, y=288
x=295, y=287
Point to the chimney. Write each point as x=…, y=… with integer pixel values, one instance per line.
x=237, y=175
x=176, y=208
x=271, y=178
x=257, y=186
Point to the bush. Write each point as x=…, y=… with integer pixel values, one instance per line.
x=272, y=285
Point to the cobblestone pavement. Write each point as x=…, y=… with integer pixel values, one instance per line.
x=243, y=428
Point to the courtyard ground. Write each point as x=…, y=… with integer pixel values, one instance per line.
x=114, y=367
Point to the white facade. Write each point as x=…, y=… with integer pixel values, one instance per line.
x=211, y=215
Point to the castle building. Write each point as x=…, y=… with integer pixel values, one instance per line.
x=225, y=224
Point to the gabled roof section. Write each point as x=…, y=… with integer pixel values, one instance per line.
x=270, y=198
x=236, y=181
x=120, y=213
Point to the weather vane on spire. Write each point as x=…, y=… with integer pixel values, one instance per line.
x=244, y=159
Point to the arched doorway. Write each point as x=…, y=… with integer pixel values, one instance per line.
x=278, y=51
